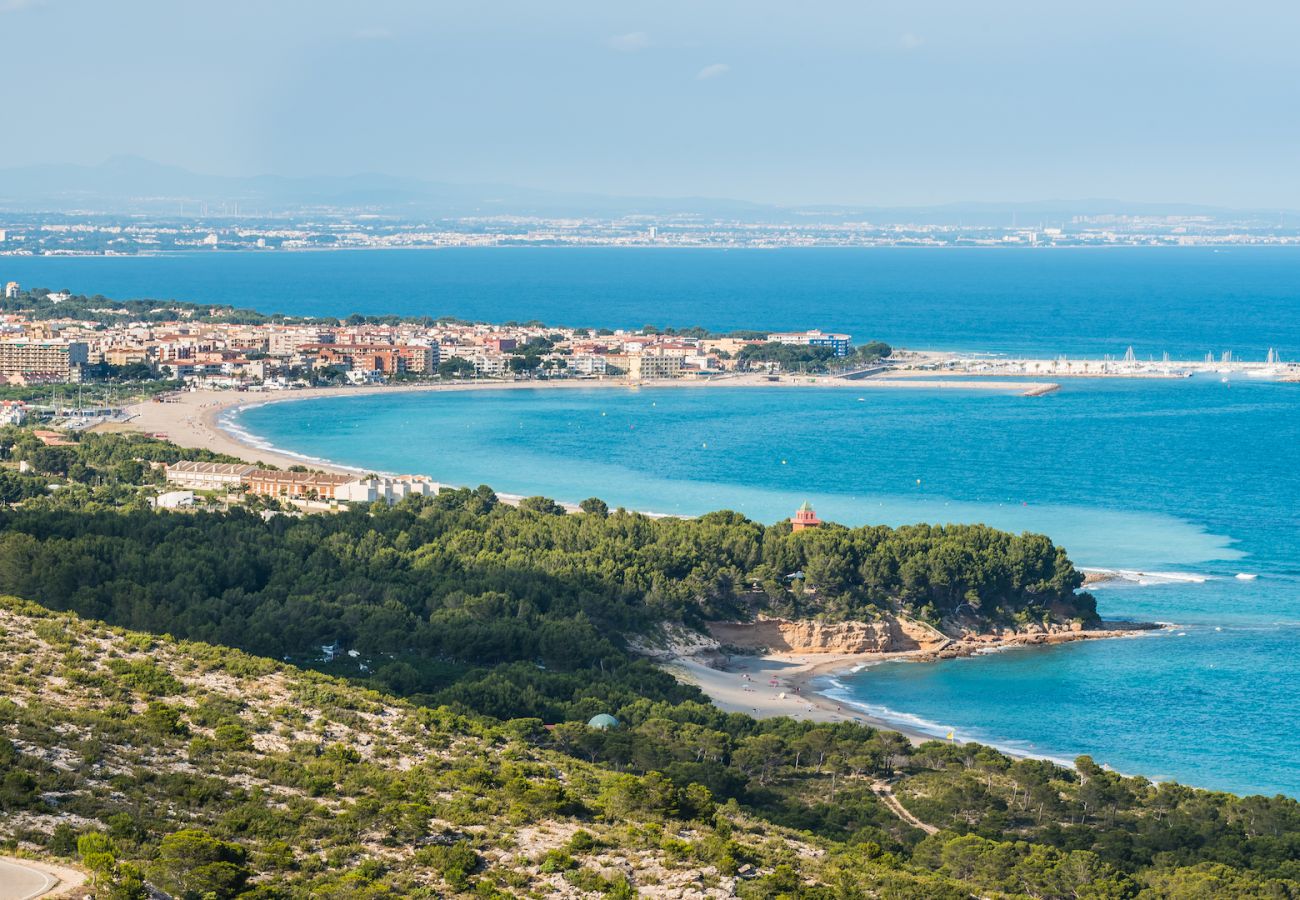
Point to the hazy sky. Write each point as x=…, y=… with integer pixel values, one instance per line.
x=798, y=101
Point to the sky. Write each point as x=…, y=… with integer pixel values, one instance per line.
x=797, y=102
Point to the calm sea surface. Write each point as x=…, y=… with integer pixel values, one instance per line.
x=1077, y=301
x=1191, y=482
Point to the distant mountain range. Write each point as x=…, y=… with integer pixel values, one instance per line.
x=131, y=185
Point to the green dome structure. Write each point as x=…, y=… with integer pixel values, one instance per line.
x=603, y=721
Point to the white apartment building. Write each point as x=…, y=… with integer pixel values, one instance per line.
x=491, y=365
x=586, y=364
x=389, y=488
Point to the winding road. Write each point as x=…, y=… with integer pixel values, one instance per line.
x=18, y=882
x=21, y=879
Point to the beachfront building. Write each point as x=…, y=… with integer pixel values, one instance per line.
x=208, y=476
x=388, y=488
x=295, y=485
x=586, y=364
x=52, y=360
x=385, y=359
x=841, y=344
x=651, y=367
x=804, y=517
x=491, y=365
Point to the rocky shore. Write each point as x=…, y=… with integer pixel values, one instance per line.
x=894, y=635
x=769, y=667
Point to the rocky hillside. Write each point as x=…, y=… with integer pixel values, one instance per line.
x=202, y=769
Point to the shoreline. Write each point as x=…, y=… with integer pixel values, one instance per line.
x=762, y=685
x=774, y=684
x=192, y=418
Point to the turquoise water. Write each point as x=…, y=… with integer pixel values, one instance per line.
x=1080, y=301
x=1189, y=481
x=1194, y=480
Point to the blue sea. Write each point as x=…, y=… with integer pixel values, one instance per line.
x=1185, y=484
x=1077, y=301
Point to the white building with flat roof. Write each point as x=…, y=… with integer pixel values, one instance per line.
x=174, y=500
x=389, y=488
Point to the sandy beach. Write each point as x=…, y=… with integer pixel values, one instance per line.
x=769, y=684
x=766, y=685
x=190, y=418
x=782, y=685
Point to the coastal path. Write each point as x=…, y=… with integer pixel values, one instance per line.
x=886, y=794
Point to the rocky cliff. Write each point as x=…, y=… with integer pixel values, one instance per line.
x=896, y=634
x=889, y=635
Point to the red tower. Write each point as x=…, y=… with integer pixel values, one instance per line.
x=804, y=518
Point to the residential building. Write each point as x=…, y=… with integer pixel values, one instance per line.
x=11, y=290
x=57, y=360
x=53, y=438
x=586, y=364
x=389, y=488
x=13, y=412
x=491, y=365
x=295, y=485
x=650, y=367
x=208, y=476
x=125, y=356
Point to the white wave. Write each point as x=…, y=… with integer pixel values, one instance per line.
x=1246, y=576
x=1144, y=578
x=839, y=692
x=242, y=435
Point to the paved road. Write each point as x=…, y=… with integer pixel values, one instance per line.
x=21, y=883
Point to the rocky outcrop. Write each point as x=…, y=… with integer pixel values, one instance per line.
x=898, y=634
x=967, y=640
x=892, y=634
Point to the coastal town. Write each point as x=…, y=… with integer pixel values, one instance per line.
x=604, y=451
x=78, y=361
x=202, y=348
